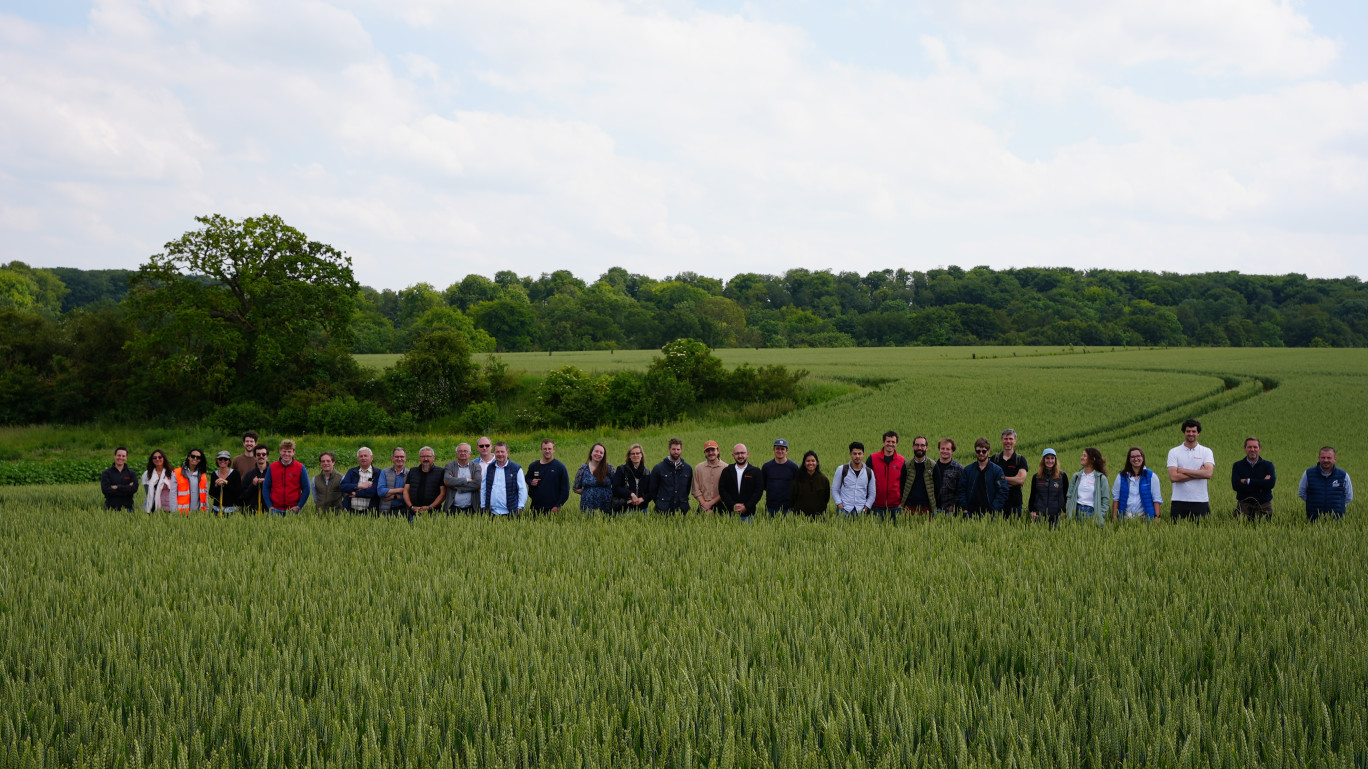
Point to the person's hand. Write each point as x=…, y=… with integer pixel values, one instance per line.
x=536, y=481
x=555, y=509
x=363, y=485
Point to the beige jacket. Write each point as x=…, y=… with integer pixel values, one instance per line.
x=706, y=476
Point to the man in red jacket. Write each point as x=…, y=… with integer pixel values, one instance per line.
x=888, y=477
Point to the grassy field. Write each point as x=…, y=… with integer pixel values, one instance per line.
x=133, y=640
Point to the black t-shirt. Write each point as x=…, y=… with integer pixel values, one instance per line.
x=1010, y=468
x=918, y=497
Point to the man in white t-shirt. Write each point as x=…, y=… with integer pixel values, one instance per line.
x=1189, y=468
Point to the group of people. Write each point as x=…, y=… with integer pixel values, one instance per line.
x=884, y=484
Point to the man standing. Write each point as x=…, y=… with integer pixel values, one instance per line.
x=1253, y=479
x=327, y=485
x=361, y=484
x=672, y=480
x=287, y=482
x=548, y=482
x=853, y=487
x=887, y=467
x=486, y=449
x=392, y=480
x=462, y=478
x=423, y=488
x=777, y=476
x=705, y=478
x=1189, y=467
x=946, y=477
x=1014, y=471
x=740, y=484
x=118, y=483
x=253, y=483
x=983, y=487
x=1325, y=487
x=504, y=490
x=245, y=461
x=918, y=492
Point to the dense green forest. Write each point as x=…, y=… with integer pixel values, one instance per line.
x=252, y=317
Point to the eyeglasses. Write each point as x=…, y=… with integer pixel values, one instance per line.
x=980, y=451
x=261, y=454
x=197, y=456
x=482, y=445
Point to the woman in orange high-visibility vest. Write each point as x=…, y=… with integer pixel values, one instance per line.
x=188, y=476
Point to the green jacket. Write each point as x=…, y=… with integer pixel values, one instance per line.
x=1101, y=497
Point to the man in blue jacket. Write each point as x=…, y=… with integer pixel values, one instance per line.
x=1253, y=479
x=672, y=481
x=1325, y=488
x=983, y=487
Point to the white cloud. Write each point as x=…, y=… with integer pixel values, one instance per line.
x=527, y=136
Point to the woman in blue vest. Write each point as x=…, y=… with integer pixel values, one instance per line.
x=1136, y=493
x=594, y=481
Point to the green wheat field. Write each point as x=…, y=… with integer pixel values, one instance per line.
x=129, y=640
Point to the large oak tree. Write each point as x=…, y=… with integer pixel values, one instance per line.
x=248, y=309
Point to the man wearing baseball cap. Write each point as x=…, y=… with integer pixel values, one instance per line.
x=778, y=475
x=706, y=476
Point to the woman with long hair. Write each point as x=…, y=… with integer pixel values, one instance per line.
x=632, y=481
x=594, y=481
x=1049, y=490
x=811, y=494
x=1136, y=492
x=192, y=483
x=1089, y=492
x=158, y=484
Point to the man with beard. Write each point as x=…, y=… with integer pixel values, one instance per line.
x=918, y=493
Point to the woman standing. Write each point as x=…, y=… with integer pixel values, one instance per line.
x=1136, y=493
x=632, y=482
x=811, y=488
x=225, y=485
x=1049, y=490
x=192, y=484
x=594, y=481
x=1089, y=492
x=158, y=484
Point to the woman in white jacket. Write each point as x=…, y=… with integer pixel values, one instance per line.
x=159, y=484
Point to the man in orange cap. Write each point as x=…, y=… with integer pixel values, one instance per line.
x=706, y=476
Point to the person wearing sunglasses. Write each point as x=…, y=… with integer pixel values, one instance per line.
x=254, y=482
x=158, y=484
x=225, y=485
x=192, y=483
x=983, y=487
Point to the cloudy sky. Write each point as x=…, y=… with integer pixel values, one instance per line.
x=434, y=138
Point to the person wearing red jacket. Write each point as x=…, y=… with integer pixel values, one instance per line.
x=888, y=467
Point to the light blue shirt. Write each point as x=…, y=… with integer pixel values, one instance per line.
x=498, y=492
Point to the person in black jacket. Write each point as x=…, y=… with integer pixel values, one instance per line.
x=1049, y=490
x=1253, y=479
x=254, y=482
x=672, y=481
x=632, y=482
x=548, y=481
x=740, y=486
x=118, y=483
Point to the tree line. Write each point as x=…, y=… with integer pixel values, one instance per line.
x=252, y=315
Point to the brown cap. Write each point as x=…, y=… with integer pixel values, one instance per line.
x=710, y=445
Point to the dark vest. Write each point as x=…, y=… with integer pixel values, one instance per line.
x=1326, y=495
x=510, y=473
x=426, y=486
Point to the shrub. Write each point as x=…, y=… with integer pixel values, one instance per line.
x=237, y=418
